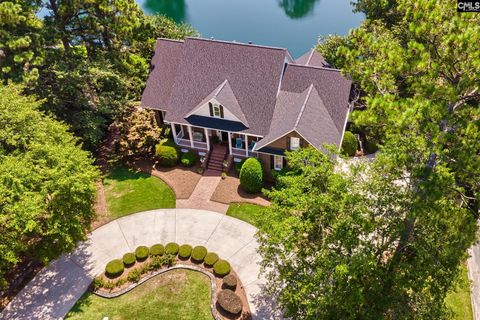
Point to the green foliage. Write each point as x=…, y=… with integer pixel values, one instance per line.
x=199, y=253
x=185, y=251
x=167, y=155
x=370, y=146
x=157, y=262
x=349, y=144
x=138, y=133
x=210, y=259
x=157, y=250
x=221, y=268
x=328, y=46
x=47, y=184
x=134, y=275
x=238, y=166
x=188, y=159
x=251, y=176
x=229, y=301
x=129, y=259
x=229, y=282
x=114, y=268
x=141, y=253
x=171, y=248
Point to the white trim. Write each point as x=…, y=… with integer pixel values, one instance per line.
x=350, y=106
x=207, y=138
x=246, y=145
x=235, y=132
x=283, y=135
x=229, y=142
x=190, y=135
x=174, y=131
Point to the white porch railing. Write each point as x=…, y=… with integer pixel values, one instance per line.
x=241, y=153
x=196, y=144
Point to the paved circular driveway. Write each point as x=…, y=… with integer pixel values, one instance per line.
x=55, y=289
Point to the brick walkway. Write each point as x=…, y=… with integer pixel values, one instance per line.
x=200, y=198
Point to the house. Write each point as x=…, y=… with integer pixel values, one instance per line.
x=256, y=101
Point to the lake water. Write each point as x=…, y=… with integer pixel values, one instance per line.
x=292, y=24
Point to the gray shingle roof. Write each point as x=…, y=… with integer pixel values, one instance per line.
x=312, y=58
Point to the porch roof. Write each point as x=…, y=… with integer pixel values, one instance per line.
x=215, y=123
x=274, y=151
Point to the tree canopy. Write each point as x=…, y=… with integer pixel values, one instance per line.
x=46, y=183
x=384, y=241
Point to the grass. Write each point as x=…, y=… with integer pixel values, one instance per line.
x=128, y=191
x=245, y=211
x=177, y=294
x=459, y=300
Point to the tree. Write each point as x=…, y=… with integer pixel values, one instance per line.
x=20, y=40
x=47, y=183
x=330, y=239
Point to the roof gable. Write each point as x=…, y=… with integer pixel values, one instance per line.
x=312, y=58
x=223, y=94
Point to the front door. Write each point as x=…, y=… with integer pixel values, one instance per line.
x=224, y=136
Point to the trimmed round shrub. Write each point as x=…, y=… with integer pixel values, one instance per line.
x=185, y=251
x=188, y=159
x=128, y=259
x=210, y=259
x=349, y=144
x=221, y=268
x=114, y=268
x=370, y=146
x=229, y=301
x=251, y=176
x=142, y=253
x=157, y=250
x=230, y=282
x=171, y=248
x=167, y=155
x=199, y=253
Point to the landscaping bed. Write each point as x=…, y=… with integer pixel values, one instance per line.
x=228, y=190
x=228, y=298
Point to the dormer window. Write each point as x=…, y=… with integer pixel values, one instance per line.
x=216, y=110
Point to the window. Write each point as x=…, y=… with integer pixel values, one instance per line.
x=278, y=162
x=294, y=143
x=216, y=111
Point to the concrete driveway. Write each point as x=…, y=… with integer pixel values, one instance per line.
x=55, y=289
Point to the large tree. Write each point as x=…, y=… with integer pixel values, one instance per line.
x=47, y=183
x=418, y=65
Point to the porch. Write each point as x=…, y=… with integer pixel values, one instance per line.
x=239, y=144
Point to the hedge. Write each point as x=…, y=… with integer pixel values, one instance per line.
x=251, y=176
x=157, y=250
x=230, y=282
x=185, y=251
x=171, y=248
x=229, y=301
x=349, y=144
x=188, y=159
x=114, y=268
x=128, y=259
x=142, y=253
x=167, y=155
x=211, y=258
x=199, y=253
x=221, y=268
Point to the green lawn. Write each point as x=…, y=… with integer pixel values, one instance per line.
x=245, y=211
x=459, y=300
x=177, y=294
x=128, y=191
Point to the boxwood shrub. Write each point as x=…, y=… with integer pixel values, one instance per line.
x=114, y=268
x=210, y=259
x=230, y=282
x=157, y=250
x=251, y=176
x=221, y=268
x=229, y=301
x=188, y=159
x=128, y=259
x=167, y=155
x=199, y=253
x=185, y=251
x=349, y=144
x=171, y=248
x=142, y=253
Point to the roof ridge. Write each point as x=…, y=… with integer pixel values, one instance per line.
x=303, y=106
x=315, y=67
x=239, y=43
x=171, y=40
x=220, y=88
x=310, y=56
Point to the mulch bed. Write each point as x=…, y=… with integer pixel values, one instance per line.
x=229, y=191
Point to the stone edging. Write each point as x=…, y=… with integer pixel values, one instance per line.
x=213, y=283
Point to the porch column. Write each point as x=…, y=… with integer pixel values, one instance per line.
x=174, y=131
x=229, y=142
x=246, y=146
x=191, y=136
x=207, y=139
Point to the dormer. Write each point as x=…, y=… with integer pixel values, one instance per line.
x=221, y=103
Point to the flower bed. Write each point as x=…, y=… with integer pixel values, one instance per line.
x=150, y=262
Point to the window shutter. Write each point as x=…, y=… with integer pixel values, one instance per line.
x=210, y=106
x=272, y=162
x=284, y=161
x=302, y=143
x=288, y=143
x=221, y=111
